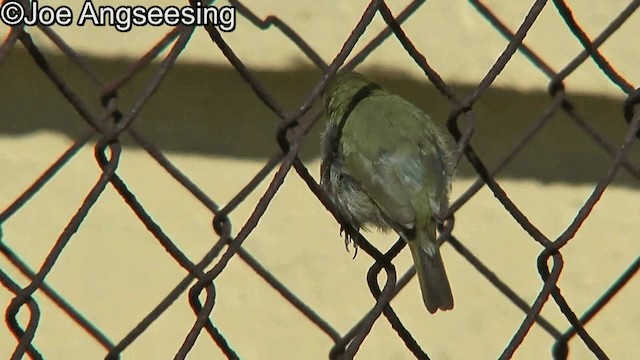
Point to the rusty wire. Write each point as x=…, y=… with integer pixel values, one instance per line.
x=112, y=122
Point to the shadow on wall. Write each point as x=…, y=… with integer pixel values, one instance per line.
x=211, y=110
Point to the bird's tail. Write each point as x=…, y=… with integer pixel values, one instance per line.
x=434, y=284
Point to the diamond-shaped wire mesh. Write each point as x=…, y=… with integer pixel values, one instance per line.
x=108, y=124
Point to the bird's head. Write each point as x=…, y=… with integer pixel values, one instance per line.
x=343, y=91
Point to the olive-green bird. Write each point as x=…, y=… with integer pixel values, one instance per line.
x=386, y=165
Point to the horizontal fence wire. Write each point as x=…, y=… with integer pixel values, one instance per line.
x=105, y=129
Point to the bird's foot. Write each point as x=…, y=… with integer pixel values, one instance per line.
x=348, y=240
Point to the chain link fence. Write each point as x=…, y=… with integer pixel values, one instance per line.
x=200, y=283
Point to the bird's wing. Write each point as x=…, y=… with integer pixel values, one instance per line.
x=394, y=156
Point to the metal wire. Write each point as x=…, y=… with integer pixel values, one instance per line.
x=113, y=122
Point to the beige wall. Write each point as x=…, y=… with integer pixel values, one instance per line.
x=209, y=123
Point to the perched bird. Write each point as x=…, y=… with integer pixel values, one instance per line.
x=386, y=165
